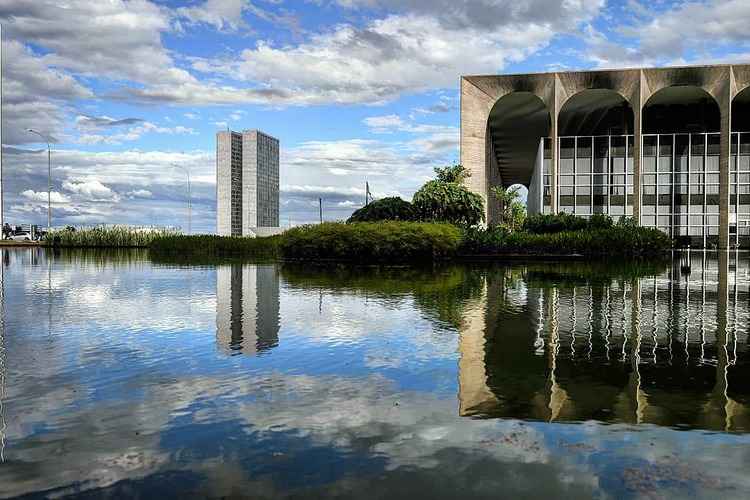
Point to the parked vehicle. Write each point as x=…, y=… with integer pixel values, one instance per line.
x=19, y=237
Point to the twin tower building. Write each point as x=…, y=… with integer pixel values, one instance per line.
x=247, y=183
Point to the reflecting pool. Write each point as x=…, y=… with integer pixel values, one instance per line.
x=122, y=376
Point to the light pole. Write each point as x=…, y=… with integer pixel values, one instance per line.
x=190, y=206
x=49, y=177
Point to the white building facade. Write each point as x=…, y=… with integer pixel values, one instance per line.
x=247, y=182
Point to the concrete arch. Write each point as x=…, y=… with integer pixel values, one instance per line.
x=711, y=79
x=596, y=111
x=741, y=111
x=515, y=125
x=681, y=108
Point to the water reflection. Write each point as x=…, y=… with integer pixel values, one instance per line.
x=247, y=308
x=664, y=350
x=134, y=394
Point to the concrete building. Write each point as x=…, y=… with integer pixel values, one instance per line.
x=669, y=147
x=247, y=308
x=247, y=183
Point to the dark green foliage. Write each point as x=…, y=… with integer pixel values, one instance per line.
x=448, y=202
x=513, y=211
x=455, y=174
x=613, y=240
x=184, y=247
x=370, y=242
x=600, y=221
x=549, y=223
x=393, y=208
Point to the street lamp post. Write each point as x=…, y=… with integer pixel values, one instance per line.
x=49, y=177
x=189, y=201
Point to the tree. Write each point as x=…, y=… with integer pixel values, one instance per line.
x=454, y=173
x=446, y=200
x=513, y=211
x=393, y=208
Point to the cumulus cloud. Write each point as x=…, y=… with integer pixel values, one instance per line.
x=132, y=134
x=221, y=14
x=42, y=196
x=92, y=190
x=652, y=34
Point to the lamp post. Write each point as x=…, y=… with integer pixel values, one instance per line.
x=49, y=176
x=189, y=202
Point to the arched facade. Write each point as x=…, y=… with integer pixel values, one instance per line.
x=636, y=87
x=739, y=164
x=517, y=123
x=595, y=169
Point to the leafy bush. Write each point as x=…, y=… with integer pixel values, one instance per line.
x=368, y=242
x=448, y=202
x=455, y=174
x=393, y=208
x=550, y=223
x=612, y=240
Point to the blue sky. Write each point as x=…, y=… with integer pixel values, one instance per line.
x=356, y=90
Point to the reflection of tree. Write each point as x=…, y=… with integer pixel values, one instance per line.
x=441, y=293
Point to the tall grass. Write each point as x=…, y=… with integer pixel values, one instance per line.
x=106, y=237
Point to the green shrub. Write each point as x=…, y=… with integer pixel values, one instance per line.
x=367, y=242
x=186, y=247
x=599, y=241
x=393, y=208
x=440, y=201
x=551, y=223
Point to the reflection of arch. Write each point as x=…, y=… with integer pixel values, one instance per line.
x=741, y=111
x=595, y=112
x=681, y=108
x=516, y=123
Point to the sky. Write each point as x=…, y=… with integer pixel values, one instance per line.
x=132, y=92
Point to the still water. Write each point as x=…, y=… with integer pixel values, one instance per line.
x=123, y=377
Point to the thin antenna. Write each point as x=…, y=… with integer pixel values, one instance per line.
x=320, y=205
x=367, y=193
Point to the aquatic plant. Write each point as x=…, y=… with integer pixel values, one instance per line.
x=105, y=237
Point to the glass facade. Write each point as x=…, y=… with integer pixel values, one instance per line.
x=739, y=192
x=595, y=175
x=679, y=182
x=236, y=185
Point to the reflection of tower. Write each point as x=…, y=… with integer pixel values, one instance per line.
x=247, y=308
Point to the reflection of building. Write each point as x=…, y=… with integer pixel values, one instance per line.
x=661, y=350
x=247, y=182
x=247, y=308
x=652, y=143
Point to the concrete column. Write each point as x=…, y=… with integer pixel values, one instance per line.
x=637, y=153
x=554, y=161
x=475, y=110
x=725, y=106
